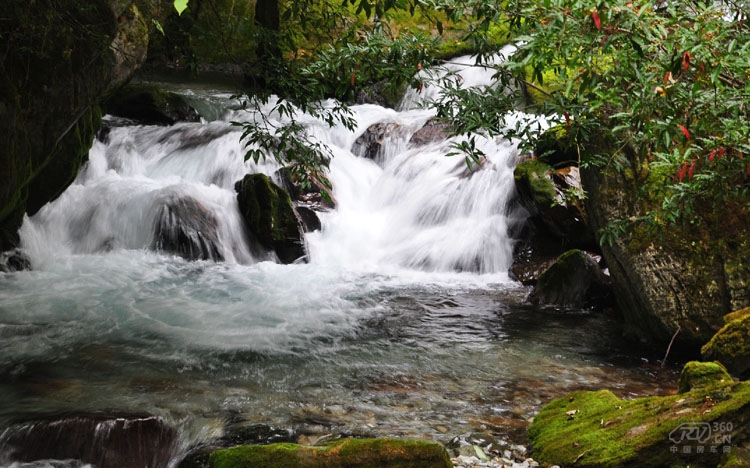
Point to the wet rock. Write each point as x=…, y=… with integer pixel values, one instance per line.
x=270, y=218
x=557, y=148
x=14, y=260
x=574, y=280
x=431, y=132
x=185, y=227
x=150, y=105
x=731, y=344
x=555, y=198
x=105, y=441
x=309, y=218
x=371, y=144
x=316, y=194
x=597, y=429
x=382, y=453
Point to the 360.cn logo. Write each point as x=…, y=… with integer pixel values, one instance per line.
x=711, y=436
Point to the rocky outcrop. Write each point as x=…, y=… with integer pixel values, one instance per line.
x=555, y=199
x=363, y=453
x=731, y=344
x=698, y=427
x=58, y=59
x=185, y=227
x=664, y=284
x=574, y=280
x=102, y=440
x=270, y=218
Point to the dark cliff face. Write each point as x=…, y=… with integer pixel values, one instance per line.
x=663, y=283
x=58, y=59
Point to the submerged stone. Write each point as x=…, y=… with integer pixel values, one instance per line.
x=731, y=344
x=360, y=453
x=597, y=429
x=574, y=280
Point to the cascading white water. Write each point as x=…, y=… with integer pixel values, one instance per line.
x=416, y=209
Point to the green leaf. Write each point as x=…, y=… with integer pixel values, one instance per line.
x=180, y=6
x=158, y=26
x=480, y=453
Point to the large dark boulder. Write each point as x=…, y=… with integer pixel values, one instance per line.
x=664, y=284
x=574, y=280
x=150, y=105
x=58, y=59
x=185, y=227
x=102, y=440
x=270, y=218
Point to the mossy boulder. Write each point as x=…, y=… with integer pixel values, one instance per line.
x=270, y=217
x=696, y=375
x=553, y=198
x=597, y=429
x=574, y=280
x=557, y=148
x=360, y=453
x=150, y=105
x=731, y=344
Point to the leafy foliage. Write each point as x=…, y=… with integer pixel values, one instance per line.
x=666, y=84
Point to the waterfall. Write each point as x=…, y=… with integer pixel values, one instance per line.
x=413, y=208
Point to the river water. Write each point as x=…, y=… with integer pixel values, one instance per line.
x=403, y=323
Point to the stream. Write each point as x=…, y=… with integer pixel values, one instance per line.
x=404, y=322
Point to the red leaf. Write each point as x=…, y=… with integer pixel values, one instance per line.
x=681, y=173
x=684, y=131
x=712, y=155
x=353, y=78
x=567, y=118
x=691, y=170
x=597, y=20
x=722, y=152
x=420, y=87
x=686, y=60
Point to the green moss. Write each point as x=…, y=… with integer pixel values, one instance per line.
x=597, y=429
x=557, y=147
x=696, y=375
x=731, y=344
x=533, y=182
x=361, y=453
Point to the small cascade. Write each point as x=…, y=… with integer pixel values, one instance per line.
x=401, y=202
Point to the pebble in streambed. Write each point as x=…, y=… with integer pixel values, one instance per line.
x=514, y=458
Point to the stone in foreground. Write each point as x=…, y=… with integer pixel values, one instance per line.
x=597, y=429
x=361, y=453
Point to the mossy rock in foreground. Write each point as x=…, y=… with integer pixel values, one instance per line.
x=731, y=344
x=360, y=453
x=597, y=429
